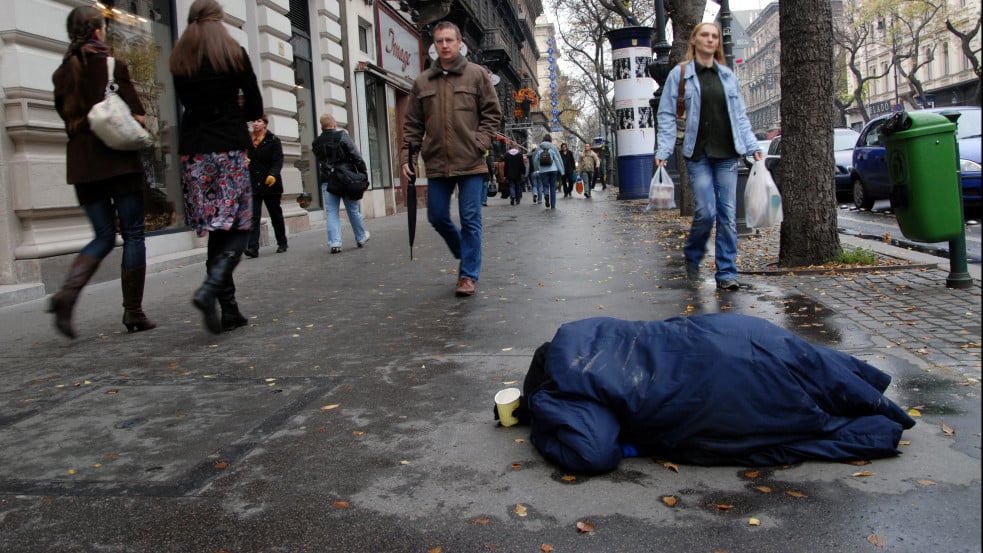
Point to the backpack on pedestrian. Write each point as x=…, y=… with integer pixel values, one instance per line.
x=545, y=159
x=338, y=169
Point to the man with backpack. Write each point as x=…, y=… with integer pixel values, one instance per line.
x=333, y=148
x=549, y=164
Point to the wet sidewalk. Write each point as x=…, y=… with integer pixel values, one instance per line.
x=354, y=413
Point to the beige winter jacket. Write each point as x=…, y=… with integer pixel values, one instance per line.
x=455, y=114
x=589, y=162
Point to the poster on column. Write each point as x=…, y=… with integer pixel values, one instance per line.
x=633, y=89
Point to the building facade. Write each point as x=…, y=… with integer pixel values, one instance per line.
x=760, y=73
x=355, y=59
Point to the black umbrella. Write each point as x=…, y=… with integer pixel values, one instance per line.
x=411, y=195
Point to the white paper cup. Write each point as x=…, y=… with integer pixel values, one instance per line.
x=506, y=402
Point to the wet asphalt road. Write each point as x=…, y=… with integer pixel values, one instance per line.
x=354, y=413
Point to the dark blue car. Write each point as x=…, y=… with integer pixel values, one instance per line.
x=869, y=172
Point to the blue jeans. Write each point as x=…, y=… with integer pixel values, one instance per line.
x=464, y=243
x=102, y=214
x=714, y=183
x=548, y=182
x=333, y=217
x=484, y=190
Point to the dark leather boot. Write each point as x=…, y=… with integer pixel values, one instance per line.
x=231, y=317
x=205, y=297
x=134, y=318
x=62, y=304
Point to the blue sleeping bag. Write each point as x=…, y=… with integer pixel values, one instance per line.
x=708, y=389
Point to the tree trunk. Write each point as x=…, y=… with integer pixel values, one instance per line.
x=808, y=234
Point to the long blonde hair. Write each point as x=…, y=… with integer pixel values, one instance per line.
x=205, y=38
x=691, y=49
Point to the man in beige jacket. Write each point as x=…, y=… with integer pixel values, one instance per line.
x=453, y=115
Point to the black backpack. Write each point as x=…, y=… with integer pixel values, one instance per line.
x=545, y=159
x=337, y=169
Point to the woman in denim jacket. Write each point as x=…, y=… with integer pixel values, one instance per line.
x=718, y=132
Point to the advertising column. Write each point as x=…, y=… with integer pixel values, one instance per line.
x=634, y=121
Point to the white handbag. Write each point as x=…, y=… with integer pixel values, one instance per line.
x=112, y=121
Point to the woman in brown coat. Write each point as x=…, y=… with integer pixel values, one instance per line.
x=210, y=68
x=108, y=183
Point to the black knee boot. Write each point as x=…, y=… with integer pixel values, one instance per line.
x=62, y=304
x=134, y=319
x=231, y=317
x=219, y=271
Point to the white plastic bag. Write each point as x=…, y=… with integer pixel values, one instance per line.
x=762, y=200
x=661, y=191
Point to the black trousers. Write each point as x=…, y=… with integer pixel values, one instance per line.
x=272, y=203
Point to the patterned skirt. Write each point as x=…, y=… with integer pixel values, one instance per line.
x=216, y=188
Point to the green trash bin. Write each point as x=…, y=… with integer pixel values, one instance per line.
x=923, y=167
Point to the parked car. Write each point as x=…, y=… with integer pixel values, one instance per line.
x=869, y=173
x=843, y=142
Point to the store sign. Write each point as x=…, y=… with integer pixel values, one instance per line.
x=399, y=47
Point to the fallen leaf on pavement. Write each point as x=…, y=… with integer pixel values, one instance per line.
x=437, y=549
x=754, y=522
x=794, y=493
x=948, y=430
x=585, y=526
x=859, y=462
x=914, y=413
x=482, y=521
x=763, y=489
x=506, y=349
x=926, y=482
x=568, y=478
x=221, y=465
x=723, y=507
x=546, y=548
x=329, y=407
x=670, y=466
x=904, y=442
x=876, y=540
x=669, y=500
x=752, y=474
x=516, y=466
x=521, y=510
x=862, y=474
x=340, y=504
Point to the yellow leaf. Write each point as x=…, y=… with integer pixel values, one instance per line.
x=97, y=466
x=404, y=462
x=794, y=493
x=516, y=466
x=904, y=442
x=876, y=540
x=670, y=466
x=926, y=482
x=437, y=549
x=546, y=548
x=521, y=510
x=948, y=430
x=482, y=521
x=357, y=432
x=585, y=526
x=754, y=522
x=752, y=474
x=568, y=478
x=763, y=489
x=862, y=474
x=341, y=504
x=914, y=413
x=506, y=349
x=669, y=500
x=72, y=471
x=329, y=407
x=520, y=441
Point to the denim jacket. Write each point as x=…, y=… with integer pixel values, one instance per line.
x=744, y=140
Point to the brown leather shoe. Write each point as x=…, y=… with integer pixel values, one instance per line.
x=465, y=287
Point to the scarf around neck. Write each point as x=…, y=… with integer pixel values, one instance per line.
x=90, y=47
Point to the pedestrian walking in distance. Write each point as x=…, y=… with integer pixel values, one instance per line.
x=454, y=131
x=210, y=68
x=717, y=133
x=333, y=146
x=108, y=183
x=265, y=163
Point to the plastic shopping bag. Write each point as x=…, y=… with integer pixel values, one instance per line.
x=661, y=191
x=762, y=201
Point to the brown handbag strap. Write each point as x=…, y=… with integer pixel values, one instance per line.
x=681, y=96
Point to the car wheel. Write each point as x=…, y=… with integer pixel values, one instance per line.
x=860, y=197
